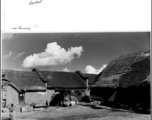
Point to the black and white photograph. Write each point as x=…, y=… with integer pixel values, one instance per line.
x=75, y=60
x=76, y=76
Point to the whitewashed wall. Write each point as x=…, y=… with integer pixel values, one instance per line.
x=38, y=97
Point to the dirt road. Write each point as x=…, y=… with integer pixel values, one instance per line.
x=82, y=112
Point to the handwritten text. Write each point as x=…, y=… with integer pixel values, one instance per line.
x=20, y=27
x=36, y=2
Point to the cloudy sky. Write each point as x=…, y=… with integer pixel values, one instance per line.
x=87, y=52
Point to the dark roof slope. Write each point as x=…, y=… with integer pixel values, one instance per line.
x=91, y=78
x=65, y=80
x=84, y=76
x=24, y=80
x=126, y=70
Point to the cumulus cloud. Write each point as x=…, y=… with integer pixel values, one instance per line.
x=19, y=55
x=53, y=55
x=17, y=69
x=66, y=70
x=8, y=55
x=91, y=69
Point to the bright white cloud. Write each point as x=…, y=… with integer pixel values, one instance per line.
x=91, y=69
x=17, y=69
x=8, y=55
x=66, y=70
x=19, y=55
x=53, y=55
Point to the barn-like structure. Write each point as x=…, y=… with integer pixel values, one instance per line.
x=125, y=81
x=37, y=87
x=22, y=87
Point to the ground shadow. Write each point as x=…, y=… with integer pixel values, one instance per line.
x=75, y=117
x=139, y=110
x=113, y=107
x=6, y=118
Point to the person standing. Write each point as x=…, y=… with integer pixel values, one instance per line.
x=11, y=109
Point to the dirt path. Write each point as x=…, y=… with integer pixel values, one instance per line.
x=82, y=112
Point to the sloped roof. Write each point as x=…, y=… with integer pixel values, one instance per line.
x=63, y=80
x=91, y=77
x=4, y=82
x=126, y=70
x=24, y=80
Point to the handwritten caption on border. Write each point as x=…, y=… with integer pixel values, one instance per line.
x=25, y=28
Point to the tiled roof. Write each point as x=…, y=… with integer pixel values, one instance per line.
x=63, y=80
x=28, y=80
x=24, y=80
x=91, y=77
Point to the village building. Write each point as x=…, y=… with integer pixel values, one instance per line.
x=39, y=87
x=73, y=83
x=125, y=81
x=91, y=78
x=22, y=88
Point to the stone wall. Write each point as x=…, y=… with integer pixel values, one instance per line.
x=11, y=96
